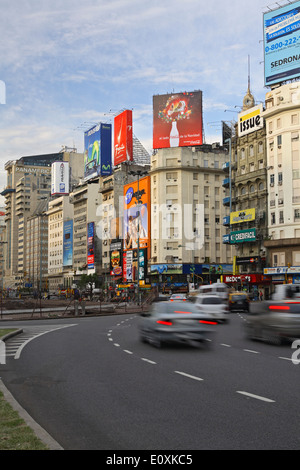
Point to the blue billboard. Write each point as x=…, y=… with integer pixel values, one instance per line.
x=282, y=44
x=98, y=151
x=68, y=243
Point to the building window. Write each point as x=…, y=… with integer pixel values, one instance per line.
x=281, y=217
x=273, y=219
x=251, y=151
x=280, y=178
x=272, y=180
x=279, y=140
x=260, y=147
x=294, y=119
x=296, y=215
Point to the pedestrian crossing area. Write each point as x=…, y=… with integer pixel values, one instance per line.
x=15, y=345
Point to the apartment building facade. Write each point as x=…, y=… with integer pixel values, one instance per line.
x=187, y=211
x=282, y=115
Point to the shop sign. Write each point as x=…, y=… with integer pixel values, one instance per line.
x=243, y=236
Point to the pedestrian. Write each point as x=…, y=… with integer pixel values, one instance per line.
x=261, y=295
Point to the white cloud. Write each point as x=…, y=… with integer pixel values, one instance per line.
x=68, y=63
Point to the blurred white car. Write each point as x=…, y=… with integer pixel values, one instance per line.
x=178, y=297
x=177, y=322
x=212, y=306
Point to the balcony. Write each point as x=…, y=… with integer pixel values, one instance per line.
x=226, y=220
x=226, y=183
x=226, y=201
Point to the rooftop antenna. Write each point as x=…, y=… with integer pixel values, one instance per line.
x=249, y=73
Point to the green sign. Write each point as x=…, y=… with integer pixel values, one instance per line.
x=243, y=236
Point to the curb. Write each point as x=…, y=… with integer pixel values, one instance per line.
x=37, y=429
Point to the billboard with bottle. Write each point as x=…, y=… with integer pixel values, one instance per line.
x=123, y=137
x=177, y=120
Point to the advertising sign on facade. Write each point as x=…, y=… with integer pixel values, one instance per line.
x=90, y=245
x=243, y=236
x=123, y=137
x=60, y=178
x=282, y=44
x=116, y=260
x=177, y=120
x=250, y=120
x=137, y=215
x=242, y=216
x=97, y=151
x=68, y=243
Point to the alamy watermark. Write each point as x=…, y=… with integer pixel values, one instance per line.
x=169, y=222
x=2, y=92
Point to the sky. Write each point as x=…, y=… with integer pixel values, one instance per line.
x=66, y=65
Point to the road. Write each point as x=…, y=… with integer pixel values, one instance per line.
x=92, y=384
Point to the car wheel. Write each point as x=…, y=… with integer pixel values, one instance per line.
x=155, y=341
x=271, y=337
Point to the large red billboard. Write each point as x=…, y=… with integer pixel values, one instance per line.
x=177, y=120
x=123, y=143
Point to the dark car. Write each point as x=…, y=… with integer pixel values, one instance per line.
x=275, y=322
x=238, y=301
x=175, y=322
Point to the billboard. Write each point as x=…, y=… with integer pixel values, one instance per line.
x=90, y=245
x=116, y=258
x=242, y=216
x=68, y=243
x=59, y=179
x=282, y=44
x=250, y=120
x=97, y=151
x=123, y=138
x=177, y=120
x=137, y=215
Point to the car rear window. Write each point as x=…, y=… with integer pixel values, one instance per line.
x=212, y=300
x=238, y=297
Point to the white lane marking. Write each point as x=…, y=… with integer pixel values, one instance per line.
x=226, y=345
x=110, y=339
x=117, y=345
x=148, y=360
x=18, y=353
x=286, y=358
x=251, y=395
x=128, y=352
x=187, y=375
x=251, y=351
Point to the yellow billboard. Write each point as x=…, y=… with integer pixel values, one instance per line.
x=245, y=215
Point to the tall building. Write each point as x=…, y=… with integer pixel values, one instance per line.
x=249, y=192
x=28, y=183
x=282, y=117
x=187, y=213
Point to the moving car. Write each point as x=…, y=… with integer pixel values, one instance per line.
x=217, y=288
x=178, y=297
x=275, y=322
x=238, y=301
x=169, y=322
x=213, y=307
